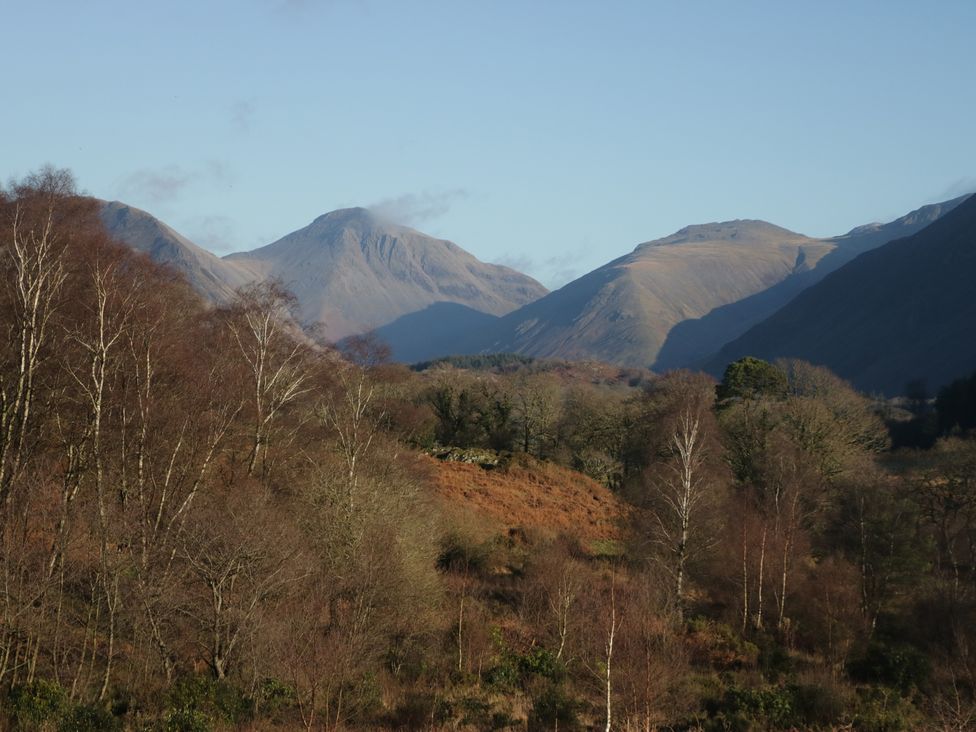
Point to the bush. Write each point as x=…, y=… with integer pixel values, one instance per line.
x=896, y=665
x=554, y=707
x=88, y=719
x=884, y=710
x=515, y=669
x=796, y=706
x=34, y=704
x=187, y=720
x=204, y=698
x=45, y=704
x=419, y=711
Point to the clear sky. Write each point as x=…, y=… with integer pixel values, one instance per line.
x=549, y=135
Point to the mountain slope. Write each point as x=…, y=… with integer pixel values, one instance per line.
x=900, y=312
x=622, y=312
x=352, y=271
x=692, y=341
x=215, y=279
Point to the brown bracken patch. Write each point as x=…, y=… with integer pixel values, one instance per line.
x=544, y=498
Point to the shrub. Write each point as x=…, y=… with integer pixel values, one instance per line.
x=207, y=698
x=796, y=706
x=34, y=704
x=896, y=665
x=419, y=710
x=554, y=707
x=84, y=718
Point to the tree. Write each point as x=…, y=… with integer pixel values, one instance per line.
x=682, y=488
x=749, y=378
x=262, y=325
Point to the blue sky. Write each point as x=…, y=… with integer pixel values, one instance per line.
x=553, y=136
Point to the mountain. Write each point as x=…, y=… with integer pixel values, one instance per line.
x=670, y=303
x=900, y=312
x=215, y=279
x=622, y=312
x=691, y=342
x=353, y=271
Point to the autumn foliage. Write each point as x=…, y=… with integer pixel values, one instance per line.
x=211, y=520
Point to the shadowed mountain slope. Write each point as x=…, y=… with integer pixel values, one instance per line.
x=352, y=271
x=903, y=311
x=691, y=342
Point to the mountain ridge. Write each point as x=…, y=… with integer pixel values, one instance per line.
x=895, y=313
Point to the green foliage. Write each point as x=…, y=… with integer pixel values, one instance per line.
x=187, y=720
x=514, y=669
x=795, y=706
x=751, y=378
x=44, y=704
x=83, y=718
x=205, y=698
x=420, y=710
x=554, y=708
x=608, y=549
x=501, y=362
x=274, y=696
x=884, y=710
x=774, y=660
x=896, y=665
x=31, y=705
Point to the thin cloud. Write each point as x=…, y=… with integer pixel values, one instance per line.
x=553, y=272
x=518, y=262
x=958, y=188
x=157, y=186
x=242, y=115
x=417, y=208
x=164, y=185
x=216, y=234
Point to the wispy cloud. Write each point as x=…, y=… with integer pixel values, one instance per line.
x=163, y=184
x=242, y=114
x=417, y=208
x=553, y=272
x=214, y=233
x=960, y=187
x=518, y=262
x=166, y=184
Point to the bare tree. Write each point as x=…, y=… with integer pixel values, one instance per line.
x=262, y=326
x=681, y=495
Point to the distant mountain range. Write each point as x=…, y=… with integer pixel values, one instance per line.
x=350, y=270
x=670, y=303
x=673, y=302
x=904, y=311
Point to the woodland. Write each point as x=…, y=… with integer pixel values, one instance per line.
x=210, y=519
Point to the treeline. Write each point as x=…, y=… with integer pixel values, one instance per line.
x=210, y=520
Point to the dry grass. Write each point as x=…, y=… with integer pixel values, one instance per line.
x=541, y=497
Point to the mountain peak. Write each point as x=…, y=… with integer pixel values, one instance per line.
x=353, y=213
x=751, y=230
x=352, y=270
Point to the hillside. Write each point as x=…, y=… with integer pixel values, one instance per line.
x=215, y=279
x=692, y=341
x=352, y=271
x=540, y=497
x=900, y=312
x=622, y=312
